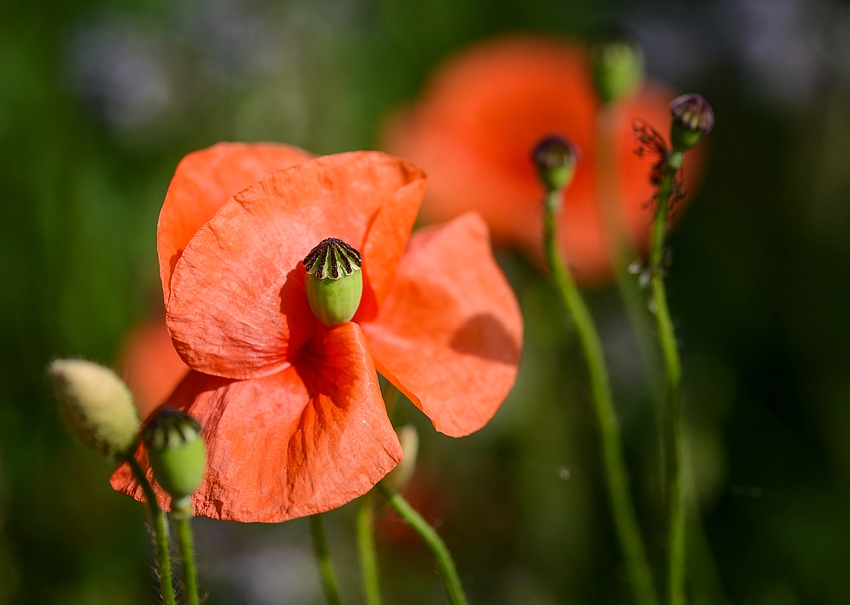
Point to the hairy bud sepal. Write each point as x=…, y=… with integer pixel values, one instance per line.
x=618, y=65
x=692, y=118
x=555, y=159
x=97, y=405
x=176, y=452
x=334, y=281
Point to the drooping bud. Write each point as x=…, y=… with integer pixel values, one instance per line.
x=618, y=65
x=176, y=452
x=97, y=405
x=692, y=118
x=334, y=281
x=401, y=474
x=555, y=158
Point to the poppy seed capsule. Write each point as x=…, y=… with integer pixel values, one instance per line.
x=692, y=118
x=176, y=452
x=334, y=281
x=555, y=159
x=617, y=64
x=97, y=405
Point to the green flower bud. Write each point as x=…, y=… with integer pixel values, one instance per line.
x=555, y=159
x=617, y=64
x=334, y=281
x=97, y=405
x=401, y=474
x=692, y=118
x=176, y=452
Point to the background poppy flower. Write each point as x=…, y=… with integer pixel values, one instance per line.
x=292, y=410
x=483, y=113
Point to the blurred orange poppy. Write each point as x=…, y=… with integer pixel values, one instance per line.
x=292, y=410
x=483, y=113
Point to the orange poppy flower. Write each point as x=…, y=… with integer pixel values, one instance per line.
x=483, y=113
x=292, y=410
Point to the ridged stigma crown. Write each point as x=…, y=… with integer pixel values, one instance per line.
x=332, y=259
x=334, y=282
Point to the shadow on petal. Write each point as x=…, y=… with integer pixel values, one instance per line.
x=484, y=336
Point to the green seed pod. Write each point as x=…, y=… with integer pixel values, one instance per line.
x=97, y=405
x=334, y=281
x=692, y=118
x=555, y=158
x=176, y=452
x=401, y=474
x=617, y=64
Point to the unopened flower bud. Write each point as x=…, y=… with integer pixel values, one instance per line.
x=555, y=159
x=334, y=281
x=97, y=405
x=401, y=474
x=617, y=64
x=176, y=452
x=692, y=118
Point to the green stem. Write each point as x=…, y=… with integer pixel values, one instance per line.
x=160, y=532
x=616, y=472
x=620, y=246
x=671, y=412
x=326, y=569
x=431, y=538
x=182, y=513
x=368, y=555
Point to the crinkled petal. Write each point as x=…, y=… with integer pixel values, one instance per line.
x=296, y=443
x=150, y=366
x=483, y=113
x=203, y=181
x=449, y=334
x=237, y=307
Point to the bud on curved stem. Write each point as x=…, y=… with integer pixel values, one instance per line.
x=555, y=159
x=334, y=281
x=618, y=65
x=401, y=474
x=176, y=453
x=692, y=118
x=97, y=405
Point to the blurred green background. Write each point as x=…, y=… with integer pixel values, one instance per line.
x=98, y=102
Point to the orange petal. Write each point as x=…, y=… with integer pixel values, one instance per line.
x=485, y=110
x=296, y=443
x=151, y=366
x=450, y=332
x=203, y=181
x=237, y=307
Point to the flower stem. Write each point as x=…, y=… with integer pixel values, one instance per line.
x=616, y=472
x=671, y=412
x=160, y=532
x=182, y=514
x=326, y=570
x=431, y=538
x=368, y=555
x=620, y=246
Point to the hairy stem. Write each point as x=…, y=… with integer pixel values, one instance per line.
x=182, y=514
x=431, y=539
x=616, y=473
x=160, y=533
x=671, y=411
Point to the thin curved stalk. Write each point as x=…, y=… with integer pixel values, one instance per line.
x=368, y=555
x=432, y=539
x=160, y=533
x=616, y=473
x=326, y=570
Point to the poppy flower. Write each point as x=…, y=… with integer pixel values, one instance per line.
x=482, y=114
x=291, y=409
